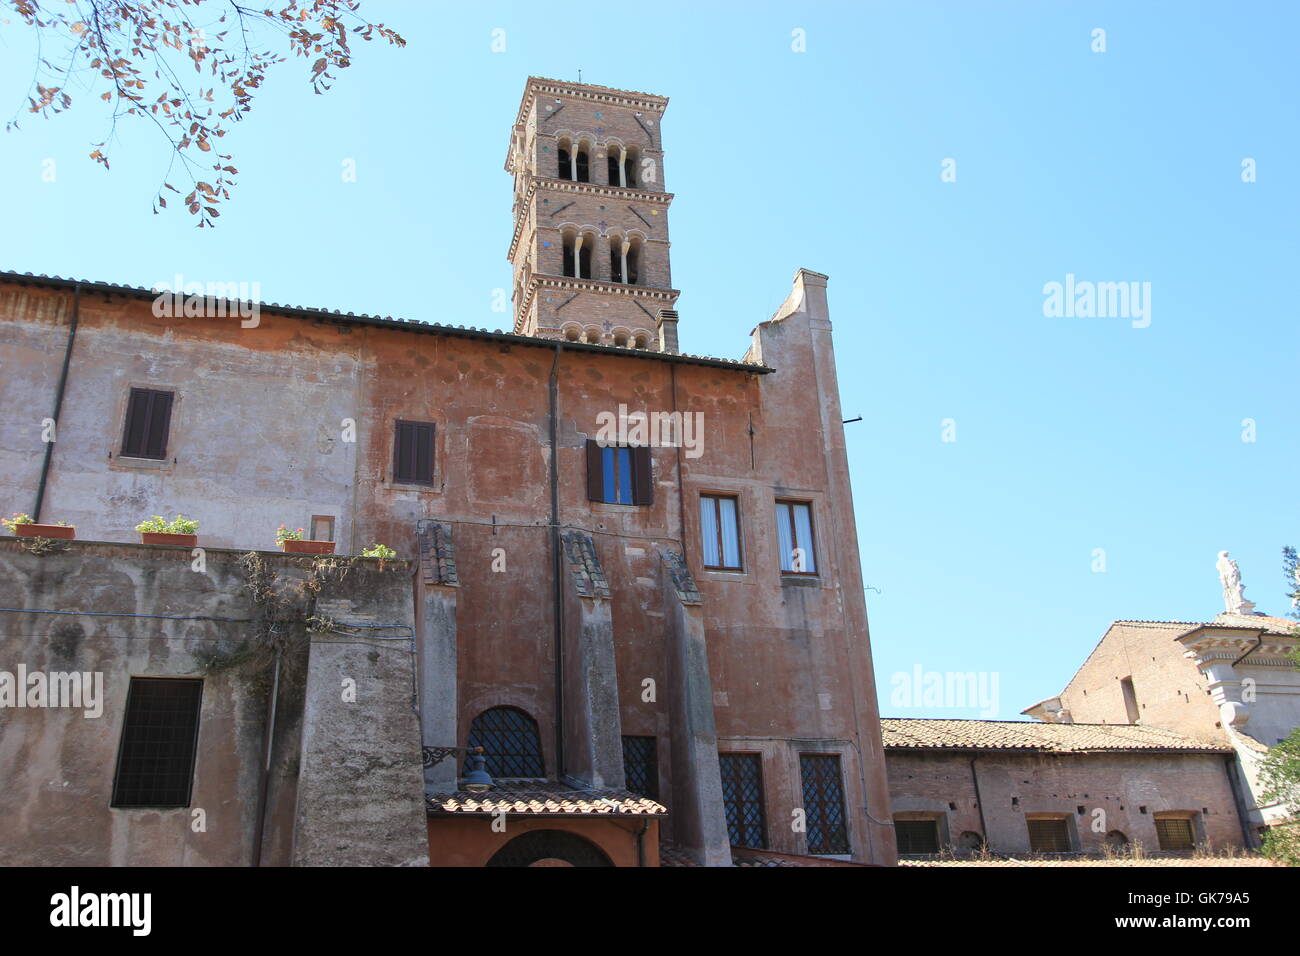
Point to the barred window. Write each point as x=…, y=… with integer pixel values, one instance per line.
x=1049, y=834
x=742, y=799
x=1175, y=833
x=823, y=803
x=641, y=765
x=917, y=836
x=155, y=760
x=510, y=743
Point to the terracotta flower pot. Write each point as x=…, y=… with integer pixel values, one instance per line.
x=44, y=531
x=159, y=537
x=306, y=546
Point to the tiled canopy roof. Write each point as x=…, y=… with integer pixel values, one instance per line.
x=920, y=734
x=543, y=798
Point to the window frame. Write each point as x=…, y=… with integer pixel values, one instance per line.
x=811, y=550
x=152, y=392
x=640, y=477
x=116, y=796
x=755, y=759
x=652, y=763
x=819, y=757
x=432, y=427
x=717, y=497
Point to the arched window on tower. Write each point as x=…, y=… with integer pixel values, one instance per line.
x=630, y=162
x=564, y=160
x=510, y=742
x=570, y=257
x=612, y=166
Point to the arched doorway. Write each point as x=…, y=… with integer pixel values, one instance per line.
x=549, y=848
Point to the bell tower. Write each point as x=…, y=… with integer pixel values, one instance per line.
x=590, y=244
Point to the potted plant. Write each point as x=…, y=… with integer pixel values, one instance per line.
x=158, y=530
x=380, y=551
x=23, y=527
x=294, y=543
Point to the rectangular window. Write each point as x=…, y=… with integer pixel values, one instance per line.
x=322, y=527
x=720, y=532
x=1175, y=833
x=641, y=765
x=155, y=760
x=1049, y=834
x=148, y=420
x=413, y=453
x=823, y=803
x=917, y=836
x=742, y=799
x=794, y=532
x=619, y=474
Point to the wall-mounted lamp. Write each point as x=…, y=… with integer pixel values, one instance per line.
x=477, y=779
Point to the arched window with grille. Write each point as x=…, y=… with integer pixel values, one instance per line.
x=510, y=742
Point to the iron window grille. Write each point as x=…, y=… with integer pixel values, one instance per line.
x=917, y=836
x=510, y=743
x=1049, y=835
x=155, y=759
x=1175, y=833
x=641, y=765
x=742, y=799
x=823, y=803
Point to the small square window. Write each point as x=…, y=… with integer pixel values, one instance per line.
x=322, y=527
x=619, y=474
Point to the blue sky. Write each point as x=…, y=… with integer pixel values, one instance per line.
x=1072, y=434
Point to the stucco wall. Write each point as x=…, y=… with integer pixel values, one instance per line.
x=1128, y=789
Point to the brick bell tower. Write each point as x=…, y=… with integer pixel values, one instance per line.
x=590, y=245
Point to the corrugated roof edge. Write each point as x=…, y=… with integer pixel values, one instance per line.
x=408, y=325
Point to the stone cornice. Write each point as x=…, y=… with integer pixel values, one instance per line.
x=633, y=99
x=547, y=281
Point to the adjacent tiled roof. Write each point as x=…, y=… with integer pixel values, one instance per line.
x=683, y=581
x=1273, y=625
x=584, y=563
x=922, y=734
x=437, y=553
x=410, y=325
x=543, y=797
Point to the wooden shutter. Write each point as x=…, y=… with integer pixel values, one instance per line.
x=413, y=453
x=642, y=476
x=595, y=471
x=148, y=421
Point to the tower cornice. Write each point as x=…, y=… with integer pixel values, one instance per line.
x=541, y=86
x=540, y=281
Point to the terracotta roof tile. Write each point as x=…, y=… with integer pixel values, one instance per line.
x=922, y=734
x=542, y=797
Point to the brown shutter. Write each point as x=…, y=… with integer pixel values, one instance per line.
x=413, y=453
x=595, y=471
x=160, y=421
x=642, y=476
x=148, y=419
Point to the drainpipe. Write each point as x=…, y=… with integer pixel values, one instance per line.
x=264, y=782
x=979, y=802
x=58, y=402
x=556, y=565
x=1230, y=767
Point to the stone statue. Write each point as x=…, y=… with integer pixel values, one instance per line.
x=1234, y=599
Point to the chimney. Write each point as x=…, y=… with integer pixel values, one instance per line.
x=666, y=320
